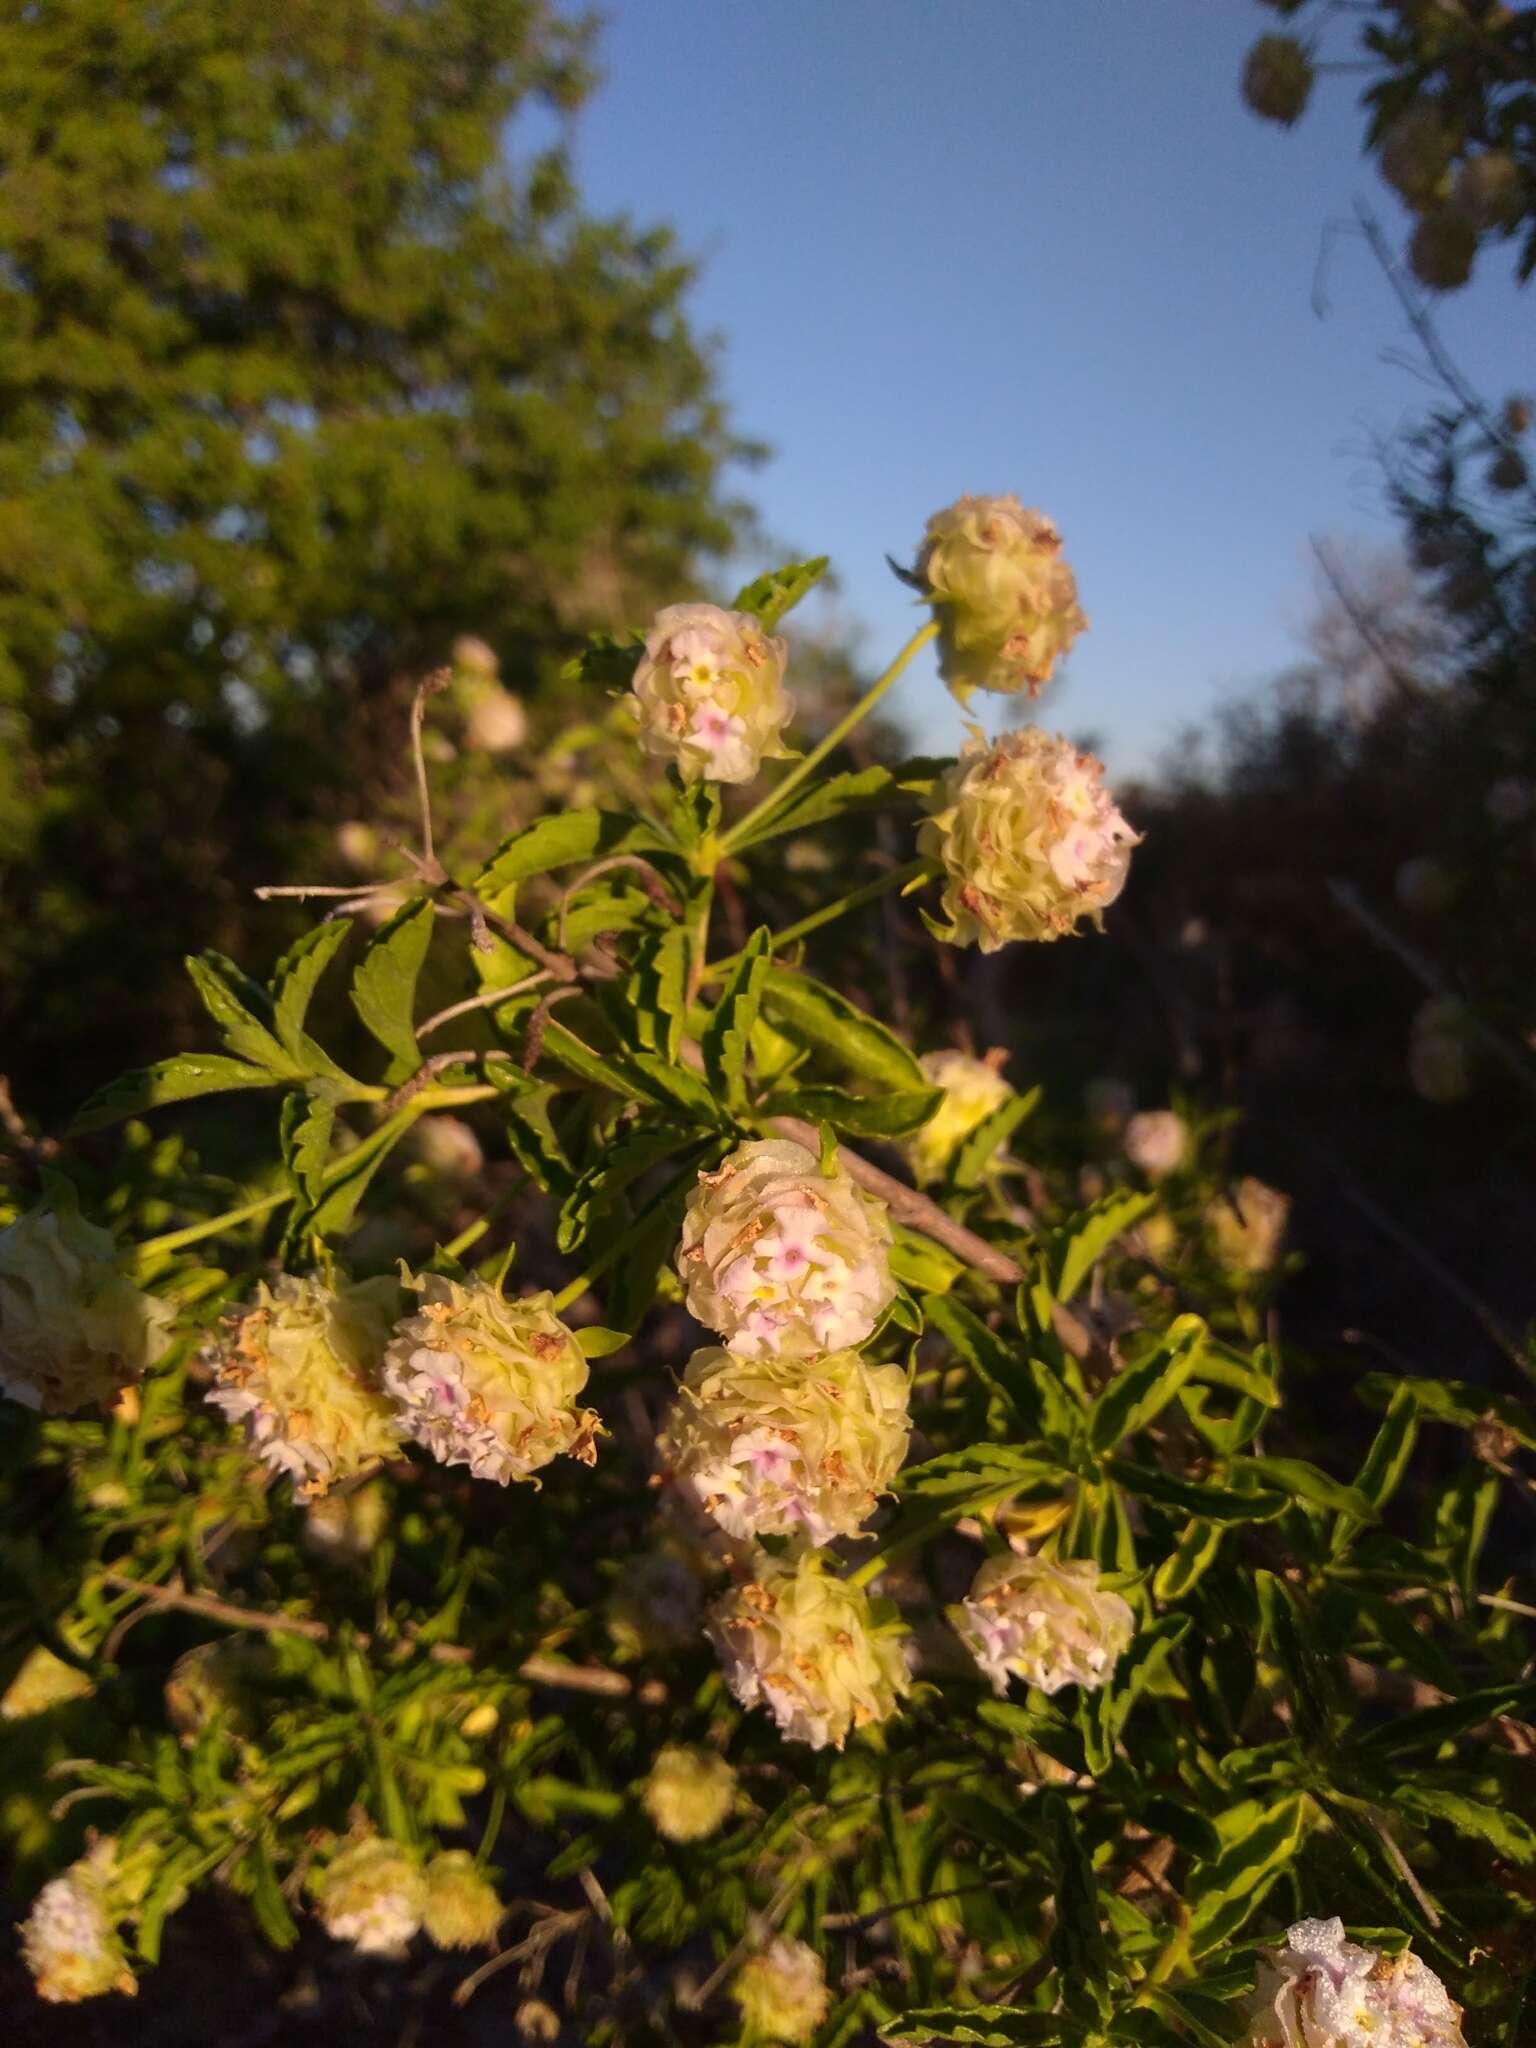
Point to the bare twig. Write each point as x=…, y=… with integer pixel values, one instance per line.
x=175, y=1595
x=1363, y=624
x=488, y=999
x=652, y=883
x=12, y=1124
x=430, y=1069
x=1427, y=1905
x=429, y=686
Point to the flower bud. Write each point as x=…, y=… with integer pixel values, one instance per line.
x=474, y=660
x=1488, y=190
x=372, y=1894
x=69, y=1940
x=973, y=1090
x=489, y=1383
x=787, y=1448
x=1006, y=602
x=447, y=1147
x=461, y=1909
x=1247, y=1226
x=1156, y=1140
x=1321, y=1991
x=1277, y=79
x=785, y=1261
x=1029, y=838
x=74, y=1330
x=1442, y=250
x=1440, y=1051
x=782, y=1992
x=1047, y=1621
x=1424, y=886
x=300, y=1369
x=44, y=1681
x=1415, y=157
x=811, y=1649
x=709, y=694
x=688, y=1793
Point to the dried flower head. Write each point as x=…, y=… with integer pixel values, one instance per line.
x=1321, y=1991
x=69, y=1940
x=299, y=1368
x=709, y=693
x=973, y=1090
x=787, y=1447
x=688, y=1792
x=1443, y=248
x=1415, y=157
x=74, y=1330
x=1277, y=79
x=489, y=1383
x=1006, y=600
x=1156, y=1140
x=460, y=1909
x=372, y=1894
x=811, y=1648
x=782, y=1992
x=1489, y=189
x=783, y=1259
x=1045, y=1620
x=1247, y=1226
x=1030, y=840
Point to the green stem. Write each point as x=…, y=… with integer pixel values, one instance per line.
x=173, y=1240
x=576, y=1288
x=896, y=878
x=743, y=828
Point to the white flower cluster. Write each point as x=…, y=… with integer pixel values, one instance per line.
x=1005, y=599
x=74, y=1330
x=688, y=1792
x=327, y=1386
x=1321, y=1991
x=973, y=1091
x=782, y=1992
x=373, y=1895
x=69, y=1940
x=709, y=695
x=1046, y=1621
x=1030, y=840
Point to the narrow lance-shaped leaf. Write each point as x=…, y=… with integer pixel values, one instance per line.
x=814, y=1015
x=224, y=991
x=384, y=986
x=1140, y=1392
x=181, y=1079
x=728, y=1033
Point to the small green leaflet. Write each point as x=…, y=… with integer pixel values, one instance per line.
x=1188, y=1562
x=890, y=1113
x=384, y=985
x=180, y=1079
x=294, y=983
x=1140, y=1392
x=1072, y=1252
x=1305, y=1483
x=1001, y=1366
x=727, y=1035
x=814, y=1015
x=556, y=842
x=658, y=990
x=305, y=1135
x=989, y=1137
x=1502, y=1829
x=770, y=596
x=1259, y=1842
x=225, y=993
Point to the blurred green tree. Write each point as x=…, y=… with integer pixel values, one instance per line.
x=309, y=359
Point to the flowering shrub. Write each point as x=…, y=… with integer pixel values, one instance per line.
x=940, y=1637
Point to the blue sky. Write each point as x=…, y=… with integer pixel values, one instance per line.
x=1035, y=246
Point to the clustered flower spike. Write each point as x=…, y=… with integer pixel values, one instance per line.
x=782, y=1992
x=69, y=1941
x=973, y=1090
x=1046, y=1621
x=1030, y=840
x=489, y=1383
x=299, y=1367
x=373, y=1896
x=688, y=1792
x=810, y=1648
x=787, y=1448
x=460, y=1908
x=785, y=1261
x=1248, y=1226
x=1321, y=1991
x=1006, y=601
x=709, y=693
x=74, y=1330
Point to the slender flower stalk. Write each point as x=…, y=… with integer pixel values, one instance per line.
x=211, y=1226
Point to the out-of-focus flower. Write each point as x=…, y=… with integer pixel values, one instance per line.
x=74, y=1330
x=460, y=1909
x=44, y=1681
x=1508, y=471
x=1045, y=1620
x=1030, y=840
x=69, y=1940
x=1277, y=79
x=782, y=1992
x=1443, y=249
x=1508, y=801
x=474, y=659
x=372, y=1894
x=810, y=1648
x=973, y=1089
x=299, y=1368
x=1488, y=189
x=1515, y=415
x=688, y=1792
x=1248, y=1225
x=489, y=1383
x=216, y=1680
x=1424, y=886
x=709, y=693
x=1006, y=601
x=1321, y=1991
x=447, y=1146
x=1415, y=157
x=783, y=1259
x=800, y=1448
x=346, y=1527
x=359, y=845
x=1157, y=1140
x=1440, y=1050
x=656, y=1604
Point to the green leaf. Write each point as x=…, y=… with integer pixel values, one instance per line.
x=1140, y=1663
x=1306, y=1483
x=890, y=1114
x=295, y=980
x=1190, y=1559
x=305, y=1136
x=345, y=1183
x=985, y=2026
x=816, y=1016
x=676, y=1088
x=1385, y=1462
x=922, y=1264
x=224, y=989
x=727, y=1036
x=1078, y=1947
x=1195, y=1496
x=384, y=984
x=1218, y=1365
x=1455, y=1401
x=1310, y=1679
x=189, y=1074
x=1258, y=1843
x=594, y=1341
x=1500, y=1827
x=1427, y=1727
x=607, y=662
x=658, y=990
x=1002, y=1366
x=770, y=596
x=1072, y=1251
x=600, y=1186
x=989, y=1137
x=266, y=1896
x=536, y=1145
x=814, y=803
x=631, y=1283
x=1141, y=1391
x=1185, y=1826
x=556, y=842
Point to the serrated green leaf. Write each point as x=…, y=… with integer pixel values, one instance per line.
x=187, y=1075
x=1141, y=1391
x=658, y=990
x=1078, y=1947
x=1259, y=1841
x=922, y=1264
x=864, y=789
x=1498, y=1826
x=223, y=989
x=1140, y=1663
x=676, y=1088
x=384, y=984
x=1188, y=1562
x=989, y=1137
x=890, y=1114
x=816, y=1016
x=295, y=980
x=1453, y=1401
x=1072, y=1251
x=770, y=596
x=558, y=841
x=1304, y=1482
x=1000, y=1365
x=305, y=1127
x=535, y=1143
x=1194, y=1496
x=727, y=1036
x=601, y=1185
x=1310, y=1680
x=1385, y=1462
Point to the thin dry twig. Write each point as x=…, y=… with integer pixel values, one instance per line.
x=652, y=883
x=429, y=686
x=430, y=1069
x=488, y=999
x=232, y=1615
